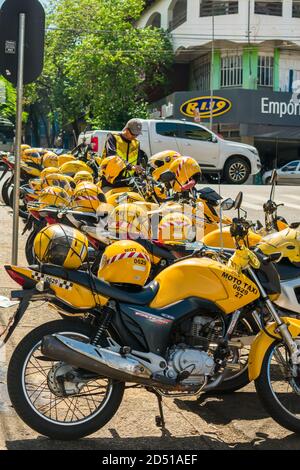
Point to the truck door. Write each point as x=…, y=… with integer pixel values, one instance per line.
x=197, y=142
x=164, y=136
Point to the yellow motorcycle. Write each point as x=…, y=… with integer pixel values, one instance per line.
x=273, y=223
x=174, y=336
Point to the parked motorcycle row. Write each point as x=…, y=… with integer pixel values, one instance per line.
x=147, y=304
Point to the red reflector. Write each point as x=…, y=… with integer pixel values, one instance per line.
x=50, y=220
x=95, y=144
x=93, y=242
x=16, y=277
x=35, y=214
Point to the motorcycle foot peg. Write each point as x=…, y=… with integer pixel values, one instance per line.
x=163, y=379
x=124, y=350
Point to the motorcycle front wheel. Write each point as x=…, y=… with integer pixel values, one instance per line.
x=38, y=400
x=279, y=388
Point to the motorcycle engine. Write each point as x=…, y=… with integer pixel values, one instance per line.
x=193, y=354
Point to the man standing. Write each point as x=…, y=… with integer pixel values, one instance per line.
x=126, y=145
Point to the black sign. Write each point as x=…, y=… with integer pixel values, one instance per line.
x=34, y=39
x=233, y=106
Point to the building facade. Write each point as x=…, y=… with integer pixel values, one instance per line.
x=244, y=53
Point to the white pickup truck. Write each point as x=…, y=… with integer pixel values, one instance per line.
x=235, y=162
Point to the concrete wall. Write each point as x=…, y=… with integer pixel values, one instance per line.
x=196, y=31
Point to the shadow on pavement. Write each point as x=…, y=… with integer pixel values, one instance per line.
x=205, y=442
x=222, y=409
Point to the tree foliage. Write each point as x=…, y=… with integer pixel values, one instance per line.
x=98, y=64
x=8, y=107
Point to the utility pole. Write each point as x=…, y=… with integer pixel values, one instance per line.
x=249, y=43
x=212, y=66
x=16, y=199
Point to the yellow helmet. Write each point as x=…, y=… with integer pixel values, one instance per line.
x=111, y=168
x=61, y=245
x=50, y=159
x=175, y=227
x=23, y=148
x=129, y=221
x=65, y=158
x=48, y=171
x=53, y=196
x=125, y=262
x=82, y=176
x=124, y=197
x=31, y=169
x=36, y=184
x=286, y=242
x=31, y=155
x=61, y=181
x=73, y=167
x=186, y=171
x=161, y=162
x=87, y=197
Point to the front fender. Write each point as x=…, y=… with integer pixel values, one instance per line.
x=262, y=342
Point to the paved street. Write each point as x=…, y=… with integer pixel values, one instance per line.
x=255, y=196
x=235, y=421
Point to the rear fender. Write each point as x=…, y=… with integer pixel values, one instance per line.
x=262, y=342
x=18, y=273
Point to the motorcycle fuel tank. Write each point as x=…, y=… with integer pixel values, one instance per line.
x=206, y=279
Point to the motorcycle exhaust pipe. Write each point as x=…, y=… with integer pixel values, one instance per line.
x=102, y=362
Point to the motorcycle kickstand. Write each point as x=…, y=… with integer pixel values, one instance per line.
x=160, y=420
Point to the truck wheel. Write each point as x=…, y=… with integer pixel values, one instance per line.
x=236, y=171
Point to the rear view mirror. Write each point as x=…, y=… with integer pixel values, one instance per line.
x=167, y=177
x=238, y=201
x=227, y=204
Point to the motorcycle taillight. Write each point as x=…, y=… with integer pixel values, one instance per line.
x=50, y=220
x=35, y=214
x=95, y=144
x=16, y=277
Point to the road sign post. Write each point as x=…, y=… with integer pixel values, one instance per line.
x=22, y=19
x=22, y=31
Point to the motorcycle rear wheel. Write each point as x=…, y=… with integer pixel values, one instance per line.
x=58, y=417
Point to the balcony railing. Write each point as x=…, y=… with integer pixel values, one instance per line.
x=213, y=8
x=296, y=9
x=268, y=8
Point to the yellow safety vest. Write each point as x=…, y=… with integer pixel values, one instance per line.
x=128, y=151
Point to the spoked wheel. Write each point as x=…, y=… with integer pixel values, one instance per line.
x=278, y=387
x=22, y=205
x=53, y=398
x=6, y=188
x=239, y=378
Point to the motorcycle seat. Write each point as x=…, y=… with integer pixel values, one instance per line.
x=209, y=195
x=287, y=270
x=143, y=296
x=156, y=250
x=88, y=218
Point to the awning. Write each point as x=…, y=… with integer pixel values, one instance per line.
x=270, y=132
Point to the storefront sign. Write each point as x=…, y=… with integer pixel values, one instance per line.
x=203, y=104
x=279, y=108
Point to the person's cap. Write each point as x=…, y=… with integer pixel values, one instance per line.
x=135, y=126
